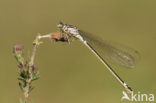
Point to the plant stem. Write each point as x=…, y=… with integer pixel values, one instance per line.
x=36, y=43
x=26, y=93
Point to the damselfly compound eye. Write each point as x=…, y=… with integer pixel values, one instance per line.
x=60, y=25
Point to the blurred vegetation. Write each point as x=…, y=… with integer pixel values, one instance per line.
x=70, y=73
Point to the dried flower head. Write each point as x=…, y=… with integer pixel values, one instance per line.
x=57, y=36
x=18, y=49
x=18, y=53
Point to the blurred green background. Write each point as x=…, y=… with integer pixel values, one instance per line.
x=70, y=73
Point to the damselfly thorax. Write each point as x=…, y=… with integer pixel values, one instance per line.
x=70, y=30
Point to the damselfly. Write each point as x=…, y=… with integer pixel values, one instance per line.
x=117, y=55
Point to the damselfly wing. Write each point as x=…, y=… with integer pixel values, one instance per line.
x=114, y=52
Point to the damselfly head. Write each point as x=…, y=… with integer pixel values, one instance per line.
x=60, y=25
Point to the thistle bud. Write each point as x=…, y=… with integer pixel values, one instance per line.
x=18, y=49
x=18, y=53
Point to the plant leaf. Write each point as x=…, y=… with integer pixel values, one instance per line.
x=21, y=86
x=31, y=88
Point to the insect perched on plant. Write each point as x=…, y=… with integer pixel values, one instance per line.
x=102, y=49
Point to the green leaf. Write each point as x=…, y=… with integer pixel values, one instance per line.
x=22, y=79
x=31, y=88
x=22, y=74
x=21, y=86
x=19, y=72
x=37, y=72
x=19, y=58
x=27, y=74
x=35, y=76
